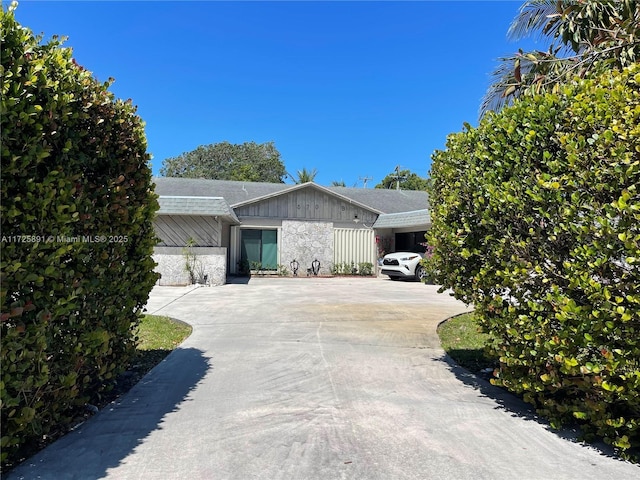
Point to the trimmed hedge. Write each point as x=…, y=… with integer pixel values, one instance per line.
x=536, y=221
x=77, y=205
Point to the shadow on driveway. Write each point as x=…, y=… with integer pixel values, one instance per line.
x=517, y=407
x=108, y=438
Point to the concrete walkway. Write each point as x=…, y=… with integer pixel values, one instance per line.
x=315, y=379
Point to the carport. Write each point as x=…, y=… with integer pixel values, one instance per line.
x=402, y=232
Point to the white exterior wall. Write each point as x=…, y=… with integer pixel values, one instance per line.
x=212, y=261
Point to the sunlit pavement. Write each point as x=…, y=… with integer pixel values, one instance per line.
x=315, y=378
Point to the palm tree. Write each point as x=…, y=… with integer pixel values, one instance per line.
x=338, y=183
x=305, y=175
x=586, y=36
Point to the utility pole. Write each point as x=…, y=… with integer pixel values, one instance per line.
x=398, y=177
x=365, y=180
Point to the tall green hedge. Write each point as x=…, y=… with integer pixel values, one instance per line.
x=77, y=204
x=536, y=221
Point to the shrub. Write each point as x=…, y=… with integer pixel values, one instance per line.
x=77, y=236
x=536, y=220
x=342, y=268
x=283, y=271
x=350, y=268
x=365, y=269
x=192, y=264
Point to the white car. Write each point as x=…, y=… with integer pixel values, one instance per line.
x=403, y=265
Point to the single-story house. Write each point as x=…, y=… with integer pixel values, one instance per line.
x=230, y=227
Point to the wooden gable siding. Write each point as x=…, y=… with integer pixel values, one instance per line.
x=176, y=230
x=307, y=204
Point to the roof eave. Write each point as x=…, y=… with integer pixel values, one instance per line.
x=227, y=214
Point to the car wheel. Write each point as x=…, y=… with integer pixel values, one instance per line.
x=421, y=273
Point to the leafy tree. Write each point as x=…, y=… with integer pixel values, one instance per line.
x=338, y=183
x=250, y=161
x=536, y=222
x=405, y=180
x=76, y=211
x=305, y=175
x=587, y=37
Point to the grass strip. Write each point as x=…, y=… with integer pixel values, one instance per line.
x=461, y=339
x=161, y=333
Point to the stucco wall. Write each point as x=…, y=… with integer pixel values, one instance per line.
x=305, y=242
x=211, y=261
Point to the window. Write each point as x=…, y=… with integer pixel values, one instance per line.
x=259, y=247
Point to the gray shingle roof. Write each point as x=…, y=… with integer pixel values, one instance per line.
x=233, y=192
x=386, y=201
x=190, y=205
x=403, y=219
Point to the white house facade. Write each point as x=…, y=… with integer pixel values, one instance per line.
x=232, y=227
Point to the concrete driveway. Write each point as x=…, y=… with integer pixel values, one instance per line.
x=315, y=378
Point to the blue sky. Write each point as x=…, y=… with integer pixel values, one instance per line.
x=349, y=88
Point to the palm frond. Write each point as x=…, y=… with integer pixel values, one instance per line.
x=504, y=87
x=534, y=17
x=305, y=175
x=524, y=72
x=585, y=35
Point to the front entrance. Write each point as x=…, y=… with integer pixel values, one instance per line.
x=259, y=249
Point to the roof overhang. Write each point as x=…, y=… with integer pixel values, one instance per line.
x=416, y=218
x=197, y=206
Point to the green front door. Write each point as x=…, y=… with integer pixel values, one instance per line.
x=259, y=249
x=269, y=254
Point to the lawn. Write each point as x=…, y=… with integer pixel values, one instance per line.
x=157, y=337
x=161, y=333
x=463, y=342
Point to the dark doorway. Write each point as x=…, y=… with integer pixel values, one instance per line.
x=411, y=242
